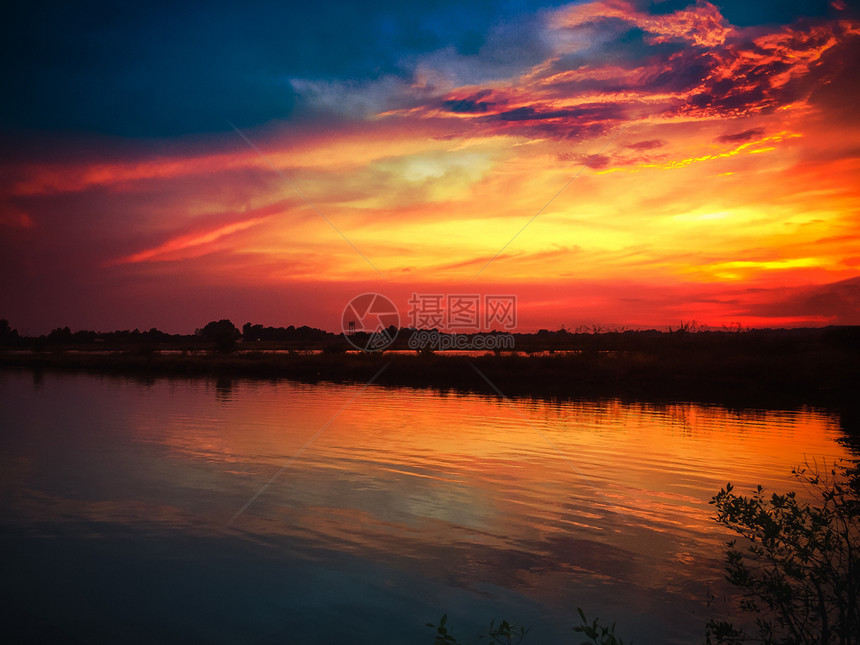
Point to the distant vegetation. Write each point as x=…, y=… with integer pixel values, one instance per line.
x=732, y=365
x=591, y=338
x=212, y=335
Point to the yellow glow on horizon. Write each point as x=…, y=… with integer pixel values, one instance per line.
x=743, y=269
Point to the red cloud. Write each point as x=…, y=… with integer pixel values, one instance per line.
x=191, y=240
x=724, y=72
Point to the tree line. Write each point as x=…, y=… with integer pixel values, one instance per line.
x=224, y=334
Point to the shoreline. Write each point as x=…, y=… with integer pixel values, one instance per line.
x=792, y=379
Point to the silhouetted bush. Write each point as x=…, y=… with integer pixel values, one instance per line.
x=798, y=569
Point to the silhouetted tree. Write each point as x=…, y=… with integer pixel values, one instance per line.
x=8, y=336
x=223, y=333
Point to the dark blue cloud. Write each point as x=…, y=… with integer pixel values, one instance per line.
x=173, y=68
x=162, y=69
x=465, y=106
x=597, y=112
x=746, y=13
x=626, y=48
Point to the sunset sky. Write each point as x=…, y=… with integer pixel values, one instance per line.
x=615, y=162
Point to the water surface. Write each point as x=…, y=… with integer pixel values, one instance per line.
x=388, y=507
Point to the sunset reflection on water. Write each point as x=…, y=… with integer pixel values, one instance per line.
x=465, y=503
